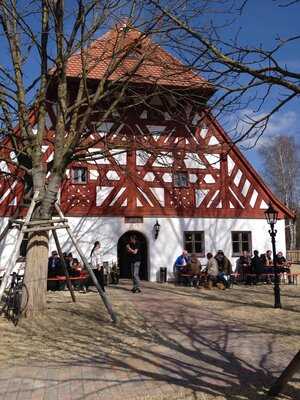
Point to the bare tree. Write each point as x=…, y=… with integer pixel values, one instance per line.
x=59, y=84
x=246, y=75
x=60, y=99
x=53, y=33
x=281, y=170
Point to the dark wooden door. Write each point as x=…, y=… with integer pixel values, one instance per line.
x=123, y=263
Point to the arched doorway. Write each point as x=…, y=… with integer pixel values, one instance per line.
x=123, y=258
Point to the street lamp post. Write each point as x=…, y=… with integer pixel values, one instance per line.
x=271, y=217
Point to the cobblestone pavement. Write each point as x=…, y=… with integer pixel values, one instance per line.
x=191, y=354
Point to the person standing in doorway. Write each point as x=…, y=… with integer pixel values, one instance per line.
x=134, y=257
x=96, y=262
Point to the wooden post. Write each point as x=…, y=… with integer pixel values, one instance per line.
x=15, y=253
x=69, y=284
x=286, y=375
x=89, y=269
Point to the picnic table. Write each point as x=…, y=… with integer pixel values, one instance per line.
x=186, y=277
x=284, y=277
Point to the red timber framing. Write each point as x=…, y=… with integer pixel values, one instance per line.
x=136, y=176
x=143, y=148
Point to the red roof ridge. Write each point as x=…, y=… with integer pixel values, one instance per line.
x=160, y=67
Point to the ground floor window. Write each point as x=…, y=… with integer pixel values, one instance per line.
x=241, y=241
x=194, y=242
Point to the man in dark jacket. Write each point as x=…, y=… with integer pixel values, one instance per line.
x=225, y=268
x=244, y=267
x=54, y=269
x=134, y=257
x=257, y=266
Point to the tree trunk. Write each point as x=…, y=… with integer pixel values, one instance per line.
x=292, y=228
x=36, y=273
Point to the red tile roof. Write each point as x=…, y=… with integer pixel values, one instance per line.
x=122, y=53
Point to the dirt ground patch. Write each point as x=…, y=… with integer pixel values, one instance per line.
x=202, y=344
x=69, y=331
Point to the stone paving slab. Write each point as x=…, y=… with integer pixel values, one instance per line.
x=191, y=353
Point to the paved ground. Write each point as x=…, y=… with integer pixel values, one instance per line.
x=181, y=350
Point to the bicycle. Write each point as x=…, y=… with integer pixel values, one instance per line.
x=15, y=299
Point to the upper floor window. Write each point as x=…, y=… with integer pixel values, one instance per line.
x=180, y=179
x=79, y=175
x=241, y=241
x=194, y=242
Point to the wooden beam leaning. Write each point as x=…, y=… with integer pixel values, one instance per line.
x=89, y=269
x=46, y=221
x=69, y=284
x=45, y=228
x=39, y=221
x=286, y=376
x=15, y=253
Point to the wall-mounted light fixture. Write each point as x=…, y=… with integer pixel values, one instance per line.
x=156, y=229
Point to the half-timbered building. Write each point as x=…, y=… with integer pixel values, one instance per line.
x=161, y=158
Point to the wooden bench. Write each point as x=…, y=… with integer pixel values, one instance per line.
x=284, y=277
x=187, y=277
x=58, y=282
x=61, y=278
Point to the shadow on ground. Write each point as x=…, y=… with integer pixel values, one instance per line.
x=162, y=348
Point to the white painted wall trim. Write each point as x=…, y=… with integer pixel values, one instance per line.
x=163, y=251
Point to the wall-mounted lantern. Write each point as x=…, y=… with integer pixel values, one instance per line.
x=156, y=229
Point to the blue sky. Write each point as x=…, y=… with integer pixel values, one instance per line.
x=261, y=22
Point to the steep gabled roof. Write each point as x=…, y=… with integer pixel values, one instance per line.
x=123, y=50
x=247, y=167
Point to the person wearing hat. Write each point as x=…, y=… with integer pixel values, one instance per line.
x=212, y=271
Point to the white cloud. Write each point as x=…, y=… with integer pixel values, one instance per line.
x=282, y=123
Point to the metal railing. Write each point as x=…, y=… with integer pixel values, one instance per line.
x=293, y=256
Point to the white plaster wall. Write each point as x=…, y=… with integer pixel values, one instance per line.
x=163, y=251
x=7, y=244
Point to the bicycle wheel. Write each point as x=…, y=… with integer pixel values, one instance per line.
x=20, y=300
x=9, y=307
x=4, y=304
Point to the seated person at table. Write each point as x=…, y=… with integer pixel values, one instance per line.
x=195, y=269
x=267, y=259
x=280, y=259
x=54, y=265
x=54, y=269
x=69, y=260
x=75, y=268
x=282, y=265
x=244, y=267
x=212, y=270
x=257, y=266
x=225, y=268
x=180, y=264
